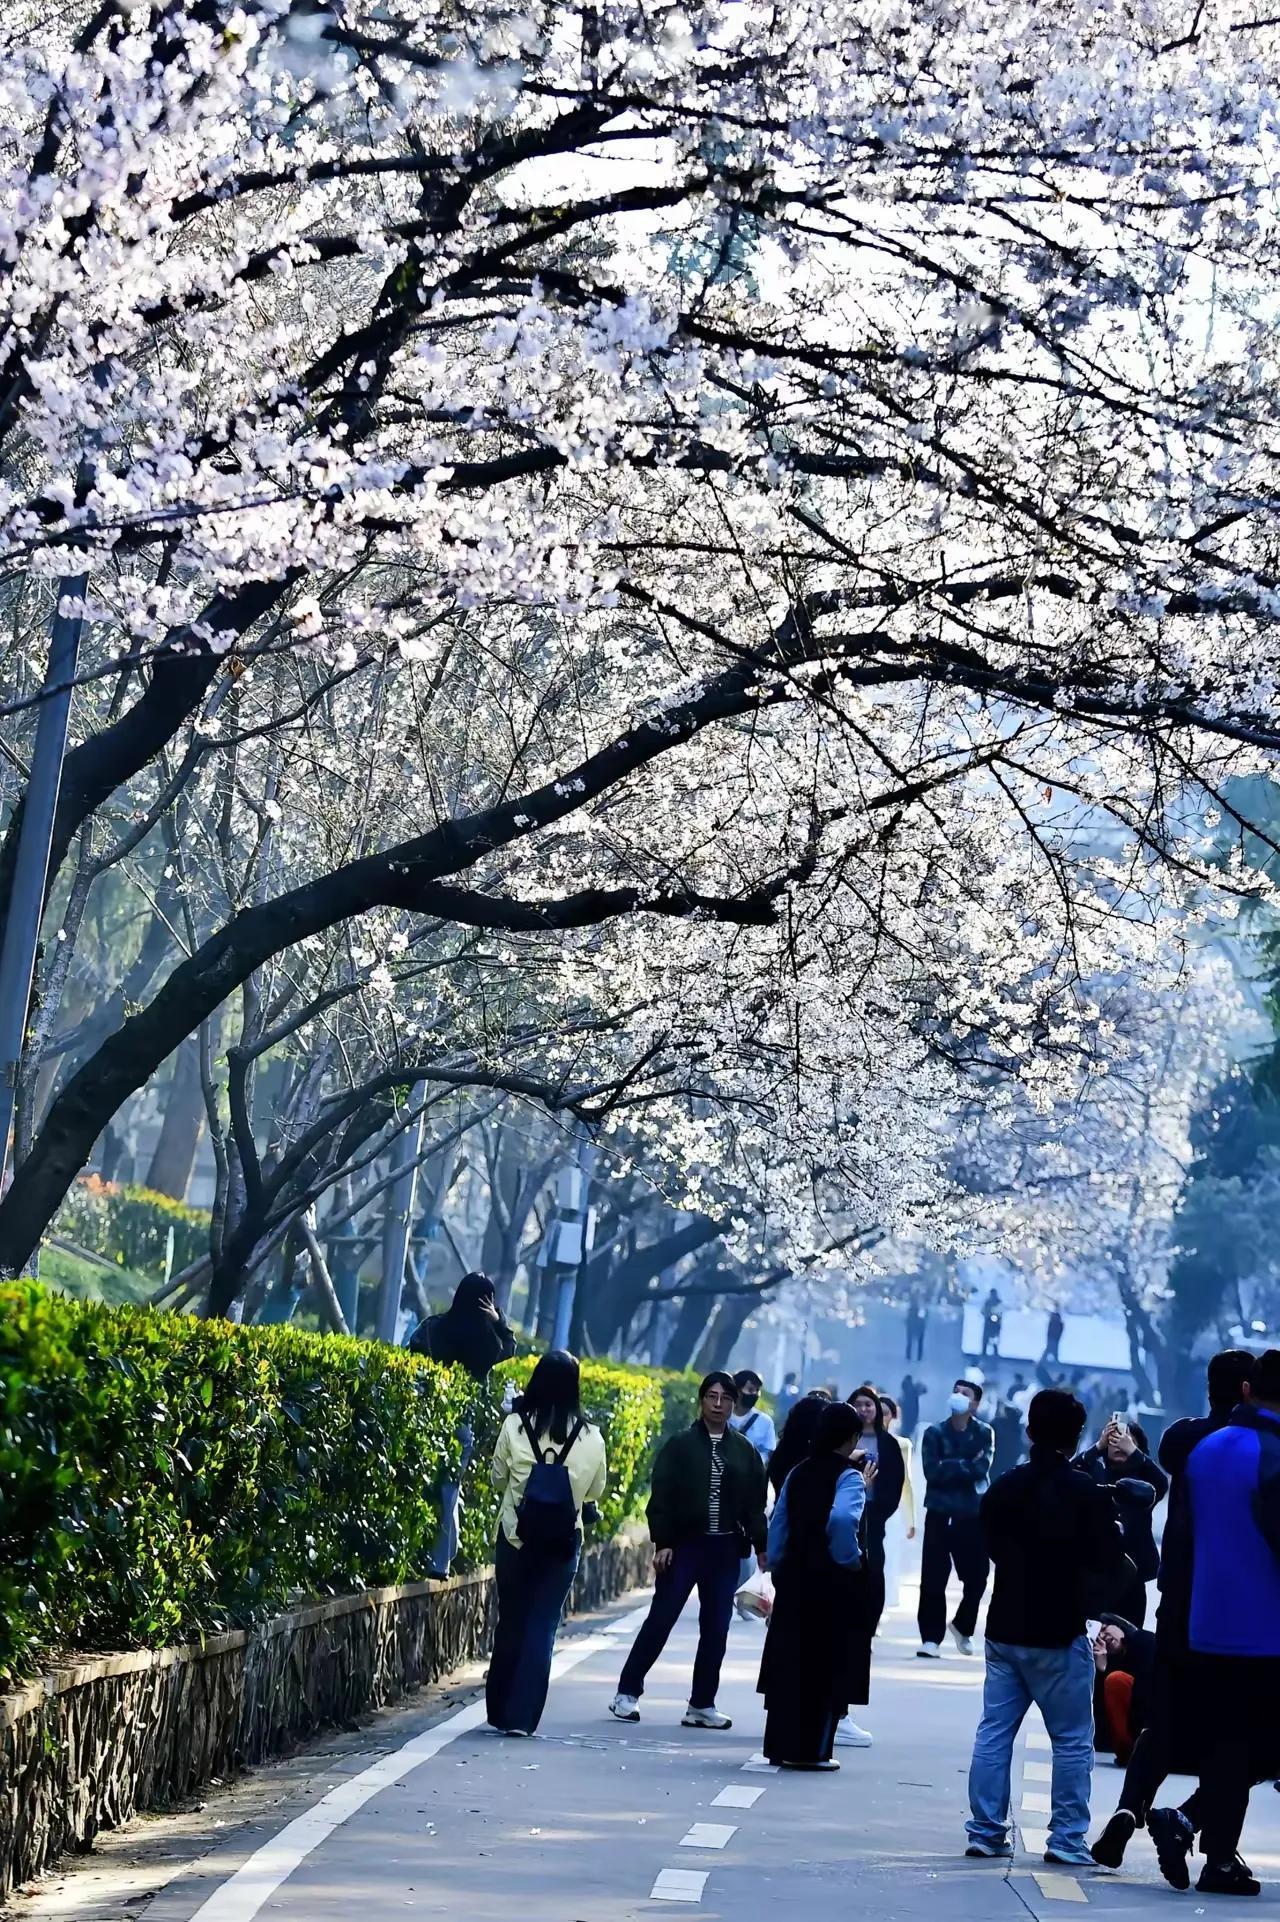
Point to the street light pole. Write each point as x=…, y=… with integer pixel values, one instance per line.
x=21, y=936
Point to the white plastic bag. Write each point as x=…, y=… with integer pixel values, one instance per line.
x=754, y=1600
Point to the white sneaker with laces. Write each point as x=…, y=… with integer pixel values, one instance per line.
x=625, y=1708
x=929, y=1652
x=704, y=1718
x=849, y=1735
x=963, y=1642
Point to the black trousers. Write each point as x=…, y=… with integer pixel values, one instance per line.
x=951, y=1541
x=710, y=1565
x=1238, y=1700
x=874, y=1540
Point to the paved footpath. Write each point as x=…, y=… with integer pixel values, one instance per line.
x=600, y=1822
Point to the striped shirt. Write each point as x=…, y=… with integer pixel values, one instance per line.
x=717, y=1476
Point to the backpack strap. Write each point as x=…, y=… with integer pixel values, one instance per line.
x=574, y=1433
x=750, y=1422
x=542, y=1449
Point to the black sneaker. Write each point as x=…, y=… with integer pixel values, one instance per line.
x=1108, y=1850
x=1234, y=1879
x=1174, y=1838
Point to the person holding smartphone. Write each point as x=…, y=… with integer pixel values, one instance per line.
x=1121, y=1461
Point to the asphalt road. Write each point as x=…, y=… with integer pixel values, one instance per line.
x=599, y=1822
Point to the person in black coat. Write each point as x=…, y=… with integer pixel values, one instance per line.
x=471, y=1332
x=1120, y=1460
x=795, y=1443
x=879, y=1446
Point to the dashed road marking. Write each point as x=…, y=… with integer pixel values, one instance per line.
x=679, y=1885
x=1034, y=1841
x=1037, y=1771
x=709, y=1835
x=758, y=1766
x=1055, y=1887
x=737, y=1796
x=1033, y=1803
x=1038, y=1738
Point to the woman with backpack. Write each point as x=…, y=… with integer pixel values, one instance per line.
x=548, y=1465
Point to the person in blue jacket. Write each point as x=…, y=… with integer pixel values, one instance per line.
x=1233, y=1487
x=817, y=1654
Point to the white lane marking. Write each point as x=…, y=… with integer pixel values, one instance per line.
x=679, y=1885
x=737, y=1796
x=1034, y=1803
x=1034, y=1841
x=241, y=1896
x=709, y=1835
x=1037, y=1738
x=1058, y=1888
x=758, y=1766
x=1037, y=1771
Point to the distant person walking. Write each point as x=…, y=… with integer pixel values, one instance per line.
x=956, y=1456
x=992, y=1323
x=706, y=1509
x=917, y=1320
x=1048, y=1529
x=751, y=1421
x=1053, y=1334
x=548, y=1466
x=472, y=1334
x=817, y=1652
x=909, y=1402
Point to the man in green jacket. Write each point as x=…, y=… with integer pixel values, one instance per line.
x=706, y=1510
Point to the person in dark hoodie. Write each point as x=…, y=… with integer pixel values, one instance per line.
x=470, y=1334
x=1121, y=1461
x=1233, y=1634
x=1165, y=1713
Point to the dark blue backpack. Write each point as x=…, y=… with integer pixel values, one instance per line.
x=547, y=1518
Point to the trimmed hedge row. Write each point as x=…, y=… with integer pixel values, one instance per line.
x=130, y=1225
x=162, y=1477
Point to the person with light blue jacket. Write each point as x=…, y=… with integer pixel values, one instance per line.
x=817, y=1655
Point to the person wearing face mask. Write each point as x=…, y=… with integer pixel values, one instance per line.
x=749, y=1418
x=956, y=1457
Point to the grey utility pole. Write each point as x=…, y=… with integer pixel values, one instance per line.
x=406, y=1152
x=575, y=1231
x=31, y=868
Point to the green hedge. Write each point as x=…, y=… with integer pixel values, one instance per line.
x=162, y=1477
x=130, y=1226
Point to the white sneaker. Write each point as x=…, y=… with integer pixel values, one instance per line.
x=626, y=1708
x=963, y=1642
x=929, y=1652
x=704, y=1718
x=849, y=1735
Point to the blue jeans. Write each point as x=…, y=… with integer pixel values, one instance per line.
x=532, y=1591
x=445, y=1550
x=1060, y=1683
x=710, y=1565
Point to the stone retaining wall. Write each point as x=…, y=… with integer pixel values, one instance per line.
x=90, y=1744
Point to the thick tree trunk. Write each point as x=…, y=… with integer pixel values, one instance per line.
x=722, y=1333
x=175, y=1151
x=687, y=1333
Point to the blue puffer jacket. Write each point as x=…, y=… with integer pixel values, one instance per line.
x=1233, y=1481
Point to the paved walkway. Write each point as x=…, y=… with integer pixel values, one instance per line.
x=599, y=1822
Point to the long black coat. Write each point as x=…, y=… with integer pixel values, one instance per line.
x=818, y=1645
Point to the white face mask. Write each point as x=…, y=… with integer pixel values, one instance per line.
x=960, y=1404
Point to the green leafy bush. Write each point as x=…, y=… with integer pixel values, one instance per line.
x=130, y=1226
x=162, y=1477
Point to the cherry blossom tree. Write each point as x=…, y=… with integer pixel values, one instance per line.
x=771, y=487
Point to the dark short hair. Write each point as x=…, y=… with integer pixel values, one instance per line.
x=837, y=1425
x=1056, y=1419
x=1227, y=1374
x=887, y=1401
x=960, y=1382
x=718, y=1378
x=743, y=1376
x=1264, y=1376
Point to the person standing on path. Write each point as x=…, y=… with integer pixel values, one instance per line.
x=706, y=1509
x=472, y=1334
x=909, y=1401
x=917, y=1318
x=902, y=1526
x=1167, y=1722
x=1049, y=1530
x=1121, y=1461
x=749, y=1418
x=817, y=1652
x=992, y=1323
x=1233, y=1485
x=879, y=1446
x=1054, y=1332
x=956, y=1457
x=548, y=1465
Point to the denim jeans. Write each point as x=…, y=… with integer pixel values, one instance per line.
x=1060, y=1683
x=532, y=1590
x=445, y=1549
x=711, y=1566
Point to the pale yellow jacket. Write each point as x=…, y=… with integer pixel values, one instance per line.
x=513, y=1461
